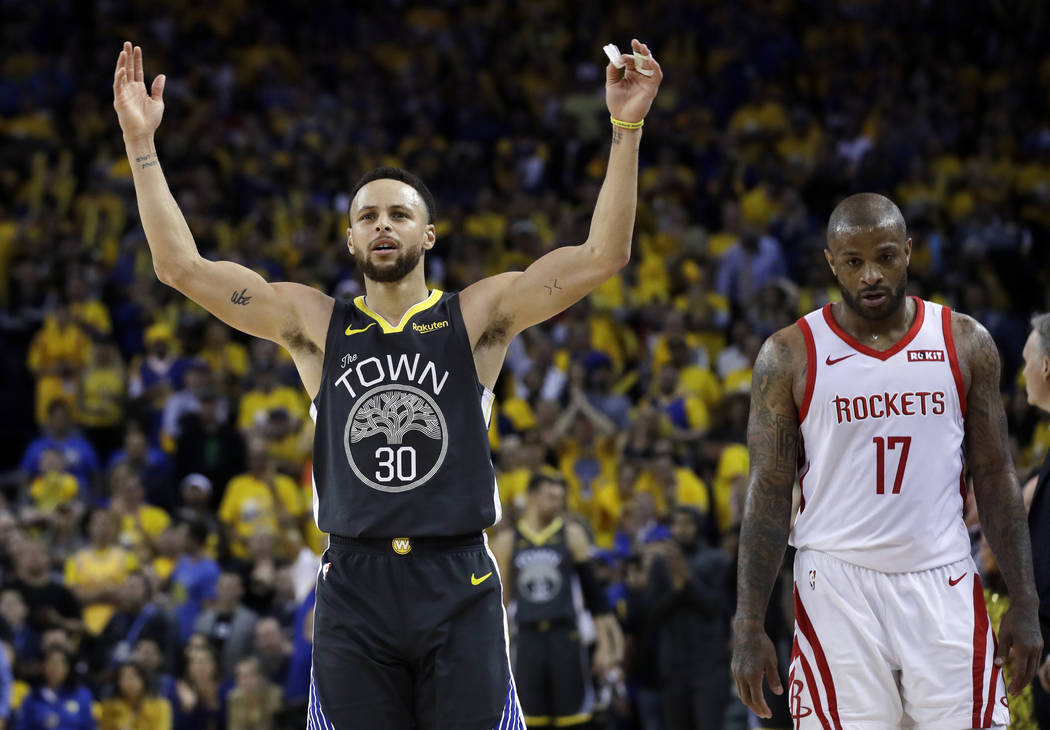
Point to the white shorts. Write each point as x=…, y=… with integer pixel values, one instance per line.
x=889, y=650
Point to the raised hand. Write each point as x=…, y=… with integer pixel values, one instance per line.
x=628, y=93
x=139, y=113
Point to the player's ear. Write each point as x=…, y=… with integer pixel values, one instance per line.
x=350, y=240
x=907, y=252
x=429, y=237
x=828, y=257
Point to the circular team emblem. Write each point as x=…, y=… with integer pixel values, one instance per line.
x=539, y=582
x=395, y=438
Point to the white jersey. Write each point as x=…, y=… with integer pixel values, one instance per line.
x=882, y=446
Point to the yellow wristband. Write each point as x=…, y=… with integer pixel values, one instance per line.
x=626, y=125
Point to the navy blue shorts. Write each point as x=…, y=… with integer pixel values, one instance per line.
x=410, y=635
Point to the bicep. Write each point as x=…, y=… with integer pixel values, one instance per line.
x=773, y=423
x=241, y=298
x=987, y=446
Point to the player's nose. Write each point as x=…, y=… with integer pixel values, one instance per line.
x=871, y=275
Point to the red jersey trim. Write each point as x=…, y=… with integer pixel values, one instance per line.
x=953, y=357
x=806, y=627
x=980, y=638
x=920, y=315
x=811, y=368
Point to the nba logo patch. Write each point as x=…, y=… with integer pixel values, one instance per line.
x=324, y=571
x=813, y=579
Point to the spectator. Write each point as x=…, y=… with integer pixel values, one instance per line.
x=187, y=400
x=228, y=626
x=196, y=491
x=50, y=603
x=138, y=617
x=254, y=701
x=135, y=706
x=25, y=640
x=59, y=434
x=194, y=579
x=273, y=651
x=58, y=702
x=147, y=654
x=97, y=572
x=262, y=498
x=101, y=402
x=199, y=704
x=691, y=601
x=209, y=444
x=141, y=524
x=53, y=488
x=150, y=463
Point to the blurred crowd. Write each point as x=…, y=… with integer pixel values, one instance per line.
x=157, y=547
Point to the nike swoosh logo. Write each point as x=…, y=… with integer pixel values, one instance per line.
x=363, y=329
x=478, y=581
x=829, y=361
x=954, y=582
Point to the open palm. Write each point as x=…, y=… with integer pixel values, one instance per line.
x=628, y=93
x=139, y=113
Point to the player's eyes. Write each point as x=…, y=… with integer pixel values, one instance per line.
x=853, y=262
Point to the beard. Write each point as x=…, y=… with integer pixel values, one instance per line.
x=894, y=299
x=390, y=272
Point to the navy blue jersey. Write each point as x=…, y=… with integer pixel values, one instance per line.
x=544, y=574
x=401, y=446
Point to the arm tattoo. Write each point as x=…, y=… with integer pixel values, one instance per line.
x=147, y=160
x=995, y=484
x=617, y=135
x=772, y=442
x=551, y=287
x=240, y=297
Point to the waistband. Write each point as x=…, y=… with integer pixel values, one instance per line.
x=558, y=624
x=406, y=545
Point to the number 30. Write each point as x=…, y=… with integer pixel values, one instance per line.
x=400, y=463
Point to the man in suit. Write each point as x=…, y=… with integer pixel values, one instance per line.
x=1037, y=382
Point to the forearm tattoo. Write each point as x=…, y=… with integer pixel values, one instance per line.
x=240, y=297
x=551, y=287
x=772, y=441
x=147, y=160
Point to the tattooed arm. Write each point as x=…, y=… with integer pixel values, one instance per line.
x=998, y=496
x=772, y=442
x=498, y=308
x=293, y=315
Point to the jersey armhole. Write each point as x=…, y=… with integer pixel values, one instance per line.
x=953, y=357
x=335, y=323
x=811, y=368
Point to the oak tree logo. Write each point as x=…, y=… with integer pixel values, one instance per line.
x=395, y=437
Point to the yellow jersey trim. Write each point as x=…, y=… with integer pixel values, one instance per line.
x=538, y=538
x=566, y=720
x=415, y=309
x=537, y=720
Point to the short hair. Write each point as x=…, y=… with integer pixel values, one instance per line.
x=396, y=173
x=541, y=478
x=864, y=211
x=1041, y=324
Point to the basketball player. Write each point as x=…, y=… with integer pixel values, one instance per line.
x=409, y=627
x=879, y=398
x=542, y=559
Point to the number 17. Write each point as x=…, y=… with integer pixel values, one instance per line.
x=880, y=461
